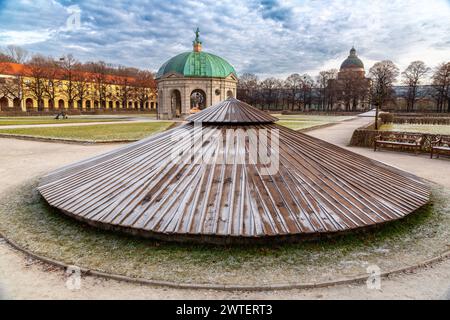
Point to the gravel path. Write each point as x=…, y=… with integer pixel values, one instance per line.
x=22, y=278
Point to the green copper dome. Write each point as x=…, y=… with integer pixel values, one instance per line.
x=197, y=64
x=352, y=61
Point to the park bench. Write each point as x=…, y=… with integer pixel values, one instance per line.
x=399, y=141
x=440, y=146
x=61, y=114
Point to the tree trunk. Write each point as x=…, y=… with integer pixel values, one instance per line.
x=376, y=116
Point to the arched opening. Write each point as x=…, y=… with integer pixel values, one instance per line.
x=152, y=105
x=146, y=105
x=130, y=105
x=16, y=103
x=61, y=104
x=111, y=105
x=80, y=105
x=95, y=104
x=136, y=105
x=117, y=105
x=198, y=99
x=230, y=94
x=29, y=104
x=88, y=105
x=51, y=104
x=4, y=102
x=175, y=103
x=103, y=104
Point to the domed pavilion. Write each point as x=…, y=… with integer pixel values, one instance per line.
x=193, y=80
x=352, y=66
x=231, y=175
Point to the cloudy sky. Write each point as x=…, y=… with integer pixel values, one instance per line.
x=267, y=37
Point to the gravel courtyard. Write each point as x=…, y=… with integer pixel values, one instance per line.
x=22, y=278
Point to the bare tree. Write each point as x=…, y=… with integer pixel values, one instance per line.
x=247, y=88
x=17, y=54
x=12, y=86
x=412, y=77
x=125, y=90
x=441, y=86
x=352, y=89
x=69, y=65
x=51, y=79
x=5, y=58
x=306, y=91
x=293, y=84
x=99, y=77
x=383, y=74
x=268, y=88
x=36, y=84
x=331, y=88
x=81, y=84
x=144, y=87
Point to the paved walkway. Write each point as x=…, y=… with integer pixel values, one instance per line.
x=436, y=170
x=21, y=278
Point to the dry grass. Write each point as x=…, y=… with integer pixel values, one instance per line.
x=101, y=132
x=26, y=219
x=419, y=128
x=298, y=122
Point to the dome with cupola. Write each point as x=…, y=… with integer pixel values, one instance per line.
x=352, y=62
x=197, y=64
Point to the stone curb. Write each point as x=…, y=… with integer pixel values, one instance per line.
x=270, y=287
x=60, y=140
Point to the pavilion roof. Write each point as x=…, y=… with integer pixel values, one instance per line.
x=232, y=110
x=162, y=187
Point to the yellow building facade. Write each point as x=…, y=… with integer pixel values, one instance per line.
x=19, y=92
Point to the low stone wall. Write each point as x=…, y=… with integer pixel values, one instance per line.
x=320, y=113
x=421, y=114
x=365, y=137
x=422, y=120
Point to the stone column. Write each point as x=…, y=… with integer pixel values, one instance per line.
x=185, y=101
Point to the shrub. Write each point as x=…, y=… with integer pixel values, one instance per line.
x=387, y=117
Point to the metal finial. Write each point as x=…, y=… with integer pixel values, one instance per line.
x=197, y=36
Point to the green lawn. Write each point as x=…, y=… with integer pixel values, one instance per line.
x=4, y=121
x=298, y=122
x=420, y=128
x=101, y=132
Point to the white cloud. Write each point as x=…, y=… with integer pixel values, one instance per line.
x=274, y=38
x=24, y=37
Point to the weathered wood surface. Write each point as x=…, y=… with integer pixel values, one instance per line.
x=319, y=188
x=232, y=111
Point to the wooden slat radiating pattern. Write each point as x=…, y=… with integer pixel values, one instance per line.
x=319, y=187
x=232, y=111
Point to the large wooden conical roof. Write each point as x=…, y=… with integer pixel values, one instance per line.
x=158, y=188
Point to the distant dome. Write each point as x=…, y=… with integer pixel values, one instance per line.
x=197, y=64
x=352, y=61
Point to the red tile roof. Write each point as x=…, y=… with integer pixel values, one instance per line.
x=14, y=69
